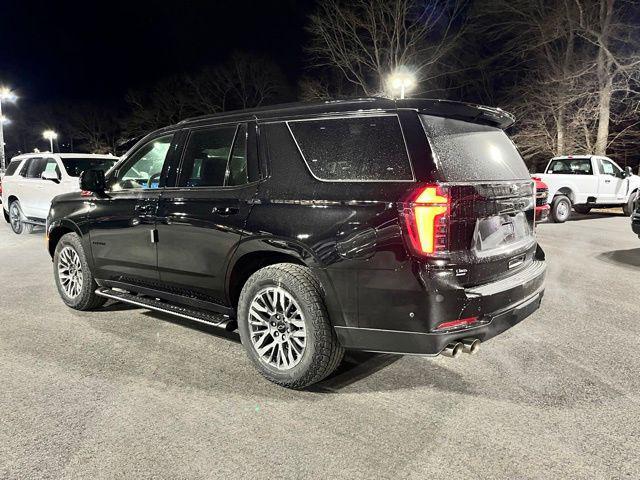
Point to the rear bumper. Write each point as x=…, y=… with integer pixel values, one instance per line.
x=500, y=305
x=414, y=343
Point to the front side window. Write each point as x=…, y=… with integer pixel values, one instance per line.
x=206, y=157
x=51, y=166
x=608, y=168
x=571, y=166
x=144, y=167
x=353, y=149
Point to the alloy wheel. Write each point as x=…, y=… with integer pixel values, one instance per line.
x=277, y=328
x=15, y=217
x=70, y=272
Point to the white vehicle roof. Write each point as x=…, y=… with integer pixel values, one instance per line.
x=571, y=157
x=64, y=155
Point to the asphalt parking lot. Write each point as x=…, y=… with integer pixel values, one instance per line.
x=125, y=393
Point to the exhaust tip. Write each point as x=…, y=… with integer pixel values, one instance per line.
x=470, y=345
x=452, y=350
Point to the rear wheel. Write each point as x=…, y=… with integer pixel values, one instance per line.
x=630, y=206
x=17, y=219
x=74, y=279
x=560, y=209
x=285, y=328
x=583, y=209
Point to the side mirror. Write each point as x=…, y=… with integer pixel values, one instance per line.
x=628, y=171
x=53, y=176
x=93, y=181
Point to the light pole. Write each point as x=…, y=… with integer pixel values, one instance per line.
x=402, y=81
x=6, y=95
x=51, y=136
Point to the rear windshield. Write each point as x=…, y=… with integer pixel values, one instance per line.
x=575, y=166
x=467, y=151
x=354, y=149
x=75, y=166
x=13, y=166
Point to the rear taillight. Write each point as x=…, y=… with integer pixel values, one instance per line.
x=456, y=324
x=426, y=216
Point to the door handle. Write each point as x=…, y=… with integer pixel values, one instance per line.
x=607, y=181
x=225, y=211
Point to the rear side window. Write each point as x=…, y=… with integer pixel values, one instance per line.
x=569, y=166
x=34, y=168
x=353, y=149
x=208, y=157
x=466, y=151
x=11, y=169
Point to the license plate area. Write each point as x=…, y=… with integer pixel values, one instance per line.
x=499, y=234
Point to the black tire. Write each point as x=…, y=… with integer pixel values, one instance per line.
x=86, y=299
x=16, y=219
x=322, y=352
x=630, y=206
x=583, y=209
x=560, y=209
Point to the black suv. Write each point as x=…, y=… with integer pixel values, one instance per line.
x=389, y=226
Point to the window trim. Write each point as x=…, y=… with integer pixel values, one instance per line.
x=342, y=117
x=190, y=131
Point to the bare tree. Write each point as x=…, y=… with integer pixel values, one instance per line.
x=609, y=26
x=366, y=40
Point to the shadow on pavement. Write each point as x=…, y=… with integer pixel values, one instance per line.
x=576, y=217
x=628, y=258
x=355, y=367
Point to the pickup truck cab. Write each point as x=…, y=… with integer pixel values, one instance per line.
x=588, y=181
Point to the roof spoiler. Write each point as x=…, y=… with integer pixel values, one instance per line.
x=462, y=111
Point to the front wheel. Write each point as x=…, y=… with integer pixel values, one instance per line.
x=16, y=219
x=629, y=207
x=560, y=209
x=285, y=328
x=73, y=276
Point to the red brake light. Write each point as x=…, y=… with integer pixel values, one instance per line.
x=427, y=220
x=463, y=322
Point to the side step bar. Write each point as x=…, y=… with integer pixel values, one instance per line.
x=215, y=320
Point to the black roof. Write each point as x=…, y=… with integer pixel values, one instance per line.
x=446, y=108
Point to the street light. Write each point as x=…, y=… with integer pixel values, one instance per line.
x=51, y=136
x=402, y=81
x=6, y=95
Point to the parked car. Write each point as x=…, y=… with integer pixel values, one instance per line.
x=33, y=180
x=635, y=220
x=586, y=182
x=371, y=224
x=542, y=195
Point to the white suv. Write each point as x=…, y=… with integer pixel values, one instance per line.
x=33, y=180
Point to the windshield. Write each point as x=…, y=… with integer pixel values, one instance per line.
x=75, y=166
x=466, y=151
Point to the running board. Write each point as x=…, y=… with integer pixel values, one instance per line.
x=215, y=320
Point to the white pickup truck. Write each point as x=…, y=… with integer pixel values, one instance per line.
x=588, y=181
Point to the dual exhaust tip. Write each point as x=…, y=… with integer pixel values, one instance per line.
x=467, y=345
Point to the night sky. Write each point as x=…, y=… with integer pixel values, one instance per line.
x=97, y=50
